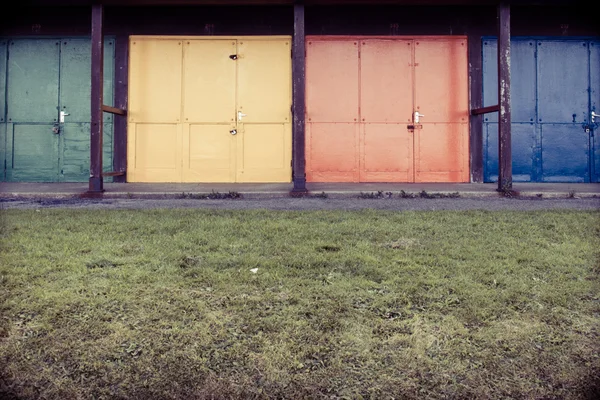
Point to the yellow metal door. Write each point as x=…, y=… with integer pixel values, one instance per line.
x=264, y=97
x=210, y=110
x=209, y=86
x=154, y=126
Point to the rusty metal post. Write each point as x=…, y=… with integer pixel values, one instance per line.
x=96, y=183
x=504, y=117
x=476, y=96
x=298, y=101
x=120, y=122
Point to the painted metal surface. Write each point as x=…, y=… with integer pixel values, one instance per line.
x=363, y=94
x=3, y=61
x=441, y=94
x=386, y=105
x=595, y=106
x=32, y=97
x=332, y=110
x=553, y=89
x=45, y=77
x=225, y=118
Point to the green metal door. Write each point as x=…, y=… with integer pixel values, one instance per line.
x=48, y=110
x=32, y=97
x=74, y=102
x=3, y=60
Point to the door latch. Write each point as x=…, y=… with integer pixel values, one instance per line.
x=56, y=128
x=418, y=115
x=63, y=114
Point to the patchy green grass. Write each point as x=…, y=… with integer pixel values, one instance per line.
x=168, y=304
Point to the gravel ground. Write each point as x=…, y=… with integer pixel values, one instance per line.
x=288, y=203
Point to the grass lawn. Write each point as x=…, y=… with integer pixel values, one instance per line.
x=168, y=304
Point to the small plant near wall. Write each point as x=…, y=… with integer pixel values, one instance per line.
x=371, y=195
x=211, y=196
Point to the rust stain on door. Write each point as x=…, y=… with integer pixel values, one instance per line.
x=363, y=94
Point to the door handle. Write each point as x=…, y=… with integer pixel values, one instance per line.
x=241, y=115
x=594, y=116
x=418, y=115
x=63, y=114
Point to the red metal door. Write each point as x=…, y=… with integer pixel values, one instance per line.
x=332, y=110
x=386, y=105
x=387, y=110
x=441, y=95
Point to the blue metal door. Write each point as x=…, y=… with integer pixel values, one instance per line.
x=552, y=132
x=595, y=107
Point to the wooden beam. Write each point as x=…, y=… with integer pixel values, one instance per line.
x=95, y=182
x=114, y=110
x=298, y=101
x=120, y=124
x=504, y=117
x=476, y=96
x=485, y=110
x=113, y=173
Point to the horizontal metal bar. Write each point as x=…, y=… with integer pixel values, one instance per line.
x=114, y=173
x=114, y=110
x=485, y=110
